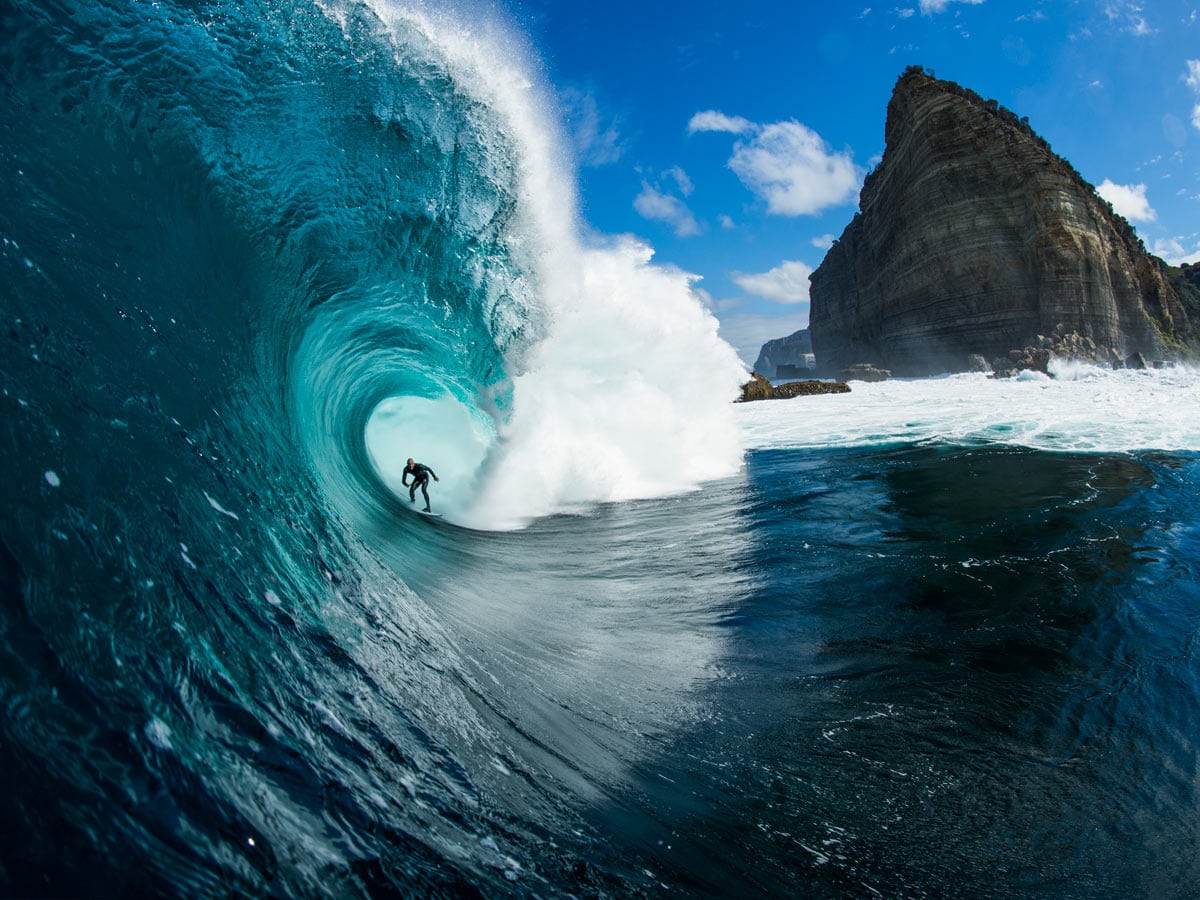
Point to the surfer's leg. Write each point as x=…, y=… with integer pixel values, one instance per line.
x=425, y=494
x=412, y=492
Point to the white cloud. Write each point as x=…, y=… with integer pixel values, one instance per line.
x=786, y=283
x=711, y=120
x=1192, y=80
x=929, y=7
x=1129, y=200
x=824, y=241
x=727, y=222
x=1173, y=252
x=906, y=13
x=657, y=206
x=597, y=143
x=680, y=177
x=1128, y=16
x=794, y=170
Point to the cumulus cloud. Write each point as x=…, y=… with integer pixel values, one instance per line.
x=659, y=206
x=794, y=170
x=711, y=120
x=1174, y=252
x=824, y=241
x=786, y=283
x=929, y=7
x=1129, y=200
x=785, y=163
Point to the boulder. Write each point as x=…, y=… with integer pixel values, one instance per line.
x=759, y=388
x=864, y=372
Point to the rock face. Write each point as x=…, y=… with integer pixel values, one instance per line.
x=972, y=239
x=788, y=351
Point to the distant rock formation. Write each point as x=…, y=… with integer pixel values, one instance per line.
x=973, y=240
x=794, y=351
x=759, y=388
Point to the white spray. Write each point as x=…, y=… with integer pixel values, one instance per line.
x=629, y=394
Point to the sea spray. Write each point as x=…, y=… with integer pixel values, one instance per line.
x=1082, y=409
x=627, y=392
x=628, y=397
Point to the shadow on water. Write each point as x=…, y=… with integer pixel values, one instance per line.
x=958, y=672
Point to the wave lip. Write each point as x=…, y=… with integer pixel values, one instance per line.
x=618, y=386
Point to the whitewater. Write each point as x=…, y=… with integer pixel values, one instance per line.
x=1077, y=407
x=931, y=637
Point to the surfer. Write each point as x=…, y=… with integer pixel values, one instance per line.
x=420, y=479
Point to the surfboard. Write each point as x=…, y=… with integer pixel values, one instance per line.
x=431, y=515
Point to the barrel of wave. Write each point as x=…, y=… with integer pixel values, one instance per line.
x=627, y=391
x=448, y=436
x=628, y=396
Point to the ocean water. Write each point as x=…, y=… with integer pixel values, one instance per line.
x=930, y=638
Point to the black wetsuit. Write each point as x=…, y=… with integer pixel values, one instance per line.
x=420, y=474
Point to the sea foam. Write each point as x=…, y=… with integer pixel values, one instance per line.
x=1080, y=409
x=628, y=392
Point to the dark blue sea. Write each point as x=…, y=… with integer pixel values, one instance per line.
x=928, y=639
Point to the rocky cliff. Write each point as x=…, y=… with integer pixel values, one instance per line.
x=785, y=351
x=972, y=239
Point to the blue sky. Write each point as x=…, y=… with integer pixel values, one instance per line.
x=733, y=137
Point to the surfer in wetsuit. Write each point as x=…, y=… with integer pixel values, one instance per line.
x=420, y=479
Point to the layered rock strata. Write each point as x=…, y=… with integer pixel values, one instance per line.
x=973, y=238
x=789, y=352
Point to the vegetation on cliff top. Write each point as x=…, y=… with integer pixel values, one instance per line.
x=919, y=75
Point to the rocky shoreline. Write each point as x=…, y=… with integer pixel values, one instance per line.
x=760, y=388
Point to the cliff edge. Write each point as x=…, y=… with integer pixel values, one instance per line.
x=973, y=238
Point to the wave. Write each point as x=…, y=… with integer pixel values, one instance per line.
x=602, y=376
x=252, y=256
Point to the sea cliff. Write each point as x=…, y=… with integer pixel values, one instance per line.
x=973, y=239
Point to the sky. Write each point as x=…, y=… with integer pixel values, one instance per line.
x=733, y=138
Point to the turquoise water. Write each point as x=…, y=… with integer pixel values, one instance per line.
x=940, y=641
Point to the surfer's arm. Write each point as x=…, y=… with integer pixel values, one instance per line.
x=404, y=478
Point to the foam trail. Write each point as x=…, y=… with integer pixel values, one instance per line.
x=1081, y=409
x=628, y=397
x=628, y=392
